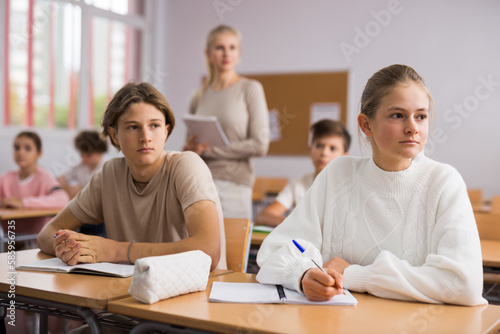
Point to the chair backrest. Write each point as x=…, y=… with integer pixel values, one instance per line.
x=275, y=185
x=269, y=185
x=476, y=198
x=238, y=234
x=488, y=225
x=495, y=204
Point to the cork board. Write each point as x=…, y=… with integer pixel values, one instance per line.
x=291, y=96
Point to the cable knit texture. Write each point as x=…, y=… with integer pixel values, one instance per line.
x=408, y=235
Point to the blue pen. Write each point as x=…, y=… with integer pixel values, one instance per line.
x=302, y=250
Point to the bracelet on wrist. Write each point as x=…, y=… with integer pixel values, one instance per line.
x=128, y=252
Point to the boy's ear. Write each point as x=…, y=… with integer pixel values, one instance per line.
x=364, y=125
x=167, y=128
x=113, y=136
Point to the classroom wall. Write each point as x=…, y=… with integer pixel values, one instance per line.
x=453, y=44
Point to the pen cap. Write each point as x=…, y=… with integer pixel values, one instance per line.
x=301, y=249
x=308, y=250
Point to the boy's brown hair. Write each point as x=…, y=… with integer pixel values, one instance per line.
x=90, y=141
x=34, y=137
x=134, y=93
x=328, y=128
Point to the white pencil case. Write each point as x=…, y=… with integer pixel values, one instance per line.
x=161, y=277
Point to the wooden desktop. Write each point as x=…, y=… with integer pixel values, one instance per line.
x=371, y=315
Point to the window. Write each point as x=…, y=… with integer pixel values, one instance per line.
x=65, y=59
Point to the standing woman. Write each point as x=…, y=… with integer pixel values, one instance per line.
x=240, y=105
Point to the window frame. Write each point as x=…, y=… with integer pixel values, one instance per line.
x=88, y=12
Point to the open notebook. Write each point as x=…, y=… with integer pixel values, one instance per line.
x=55, y=265
x=262, y=229
x=226, y=292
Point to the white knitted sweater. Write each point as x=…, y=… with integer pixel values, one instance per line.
x=408, y=235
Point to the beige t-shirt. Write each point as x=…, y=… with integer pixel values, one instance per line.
x=243, y=115
x=155, y=214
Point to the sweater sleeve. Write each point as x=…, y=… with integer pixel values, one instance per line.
x=280, y=261
x=452, y=272
x=257, y=142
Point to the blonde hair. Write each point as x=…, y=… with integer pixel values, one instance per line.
x=221, y=29
x=382, y=82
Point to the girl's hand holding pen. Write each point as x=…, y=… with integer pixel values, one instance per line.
x=322, y=286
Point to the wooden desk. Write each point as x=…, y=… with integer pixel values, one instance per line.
x=72, y=293
x=491, y=253
x=83, y=290
x=13, y=214
x=75, y=295
x=371, y=315
x=258, y=238
x=8, y=214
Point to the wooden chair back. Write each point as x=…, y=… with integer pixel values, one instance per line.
x=488, y=225
x=495, y=204
x=476, y=198
x=269, y=185
x=238, y=234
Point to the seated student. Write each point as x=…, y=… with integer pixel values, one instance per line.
x=164, y=201
x=396, y=225
x=91, y=147
x=330, y=140
x=30, y=187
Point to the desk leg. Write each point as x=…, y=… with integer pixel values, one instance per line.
x=91, y=319
x=3, y=330
x=84, y=312
x=43, y=321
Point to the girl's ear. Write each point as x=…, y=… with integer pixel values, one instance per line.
x=113, y=136
x=364, y=125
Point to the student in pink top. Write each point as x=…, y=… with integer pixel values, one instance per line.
x=30, y=187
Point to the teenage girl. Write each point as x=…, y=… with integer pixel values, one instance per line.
x=396, y=225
